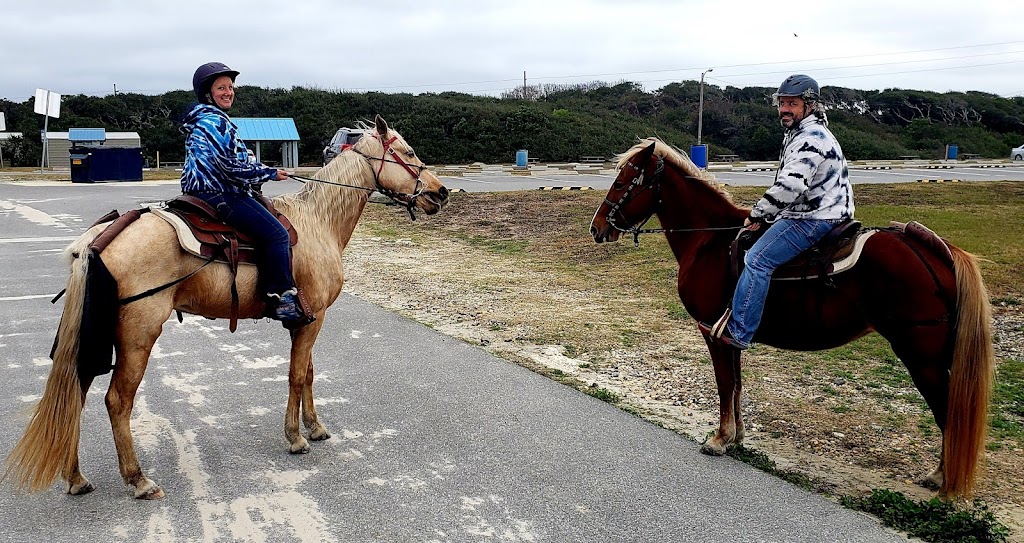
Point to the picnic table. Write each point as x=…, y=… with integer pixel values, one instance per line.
x=969, y=156
x=909, y=157
x=727, y=158
x=592, y=159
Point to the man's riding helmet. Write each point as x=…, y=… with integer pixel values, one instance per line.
x=798, y=85
x=206, y=74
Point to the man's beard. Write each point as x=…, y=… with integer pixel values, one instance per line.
x=784, y=118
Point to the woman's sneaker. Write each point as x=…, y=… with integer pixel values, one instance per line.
x=286, y=306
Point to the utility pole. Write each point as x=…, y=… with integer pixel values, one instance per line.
x=115, y=89
x=700, y=109
x=524, y=84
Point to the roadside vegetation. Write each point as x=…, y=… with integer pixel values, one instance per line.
x=560, y=123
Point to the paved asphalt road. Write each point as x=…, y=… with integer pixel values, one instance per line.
x=433, y=439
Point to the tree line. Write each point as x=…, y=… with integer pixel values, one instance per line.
x=559, y=123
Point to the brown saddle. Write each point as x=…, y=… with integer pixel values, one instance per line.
x=217, y=240
x=831, y=255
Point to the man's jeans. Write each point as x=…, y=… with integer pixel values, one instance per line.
x=784, y=240
x=246, y=214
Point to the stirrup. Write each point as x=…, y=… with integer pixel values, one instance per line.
x=290, y=308
x=719, y=332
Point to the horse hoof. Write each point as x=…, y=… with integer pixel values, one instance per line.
x=153, y=493
x=712, y=450
x=299, y=448
x=79, y=490
x=320, y=434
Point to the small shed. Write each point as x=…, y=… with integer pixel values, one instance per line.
x=275, y=135
x=58, y=144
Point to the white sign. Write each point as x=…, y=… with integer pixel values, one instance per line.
x=3, y=123
x=47, y=103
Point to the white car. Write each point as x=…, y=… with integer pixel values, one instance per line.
x=1017, y=153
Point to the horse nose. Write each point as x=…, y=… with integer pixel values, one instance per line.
x=443, y=191
x=597, y=235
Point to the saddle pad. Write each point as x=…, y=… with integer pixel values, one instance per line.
x=842, y=264
x=187, y=240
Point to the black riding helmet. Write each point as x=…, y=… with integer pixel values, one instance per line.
x=799, y=85
x=203, y=79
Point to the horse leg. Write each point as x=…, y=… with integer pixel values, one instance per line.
x=317, y=431
x=300, y=389
x=77, y=483
x=726, y=362
x=928, y=369
x=135, y=343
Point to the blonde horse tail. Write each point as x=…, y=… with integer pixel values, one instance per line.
x=49, y=445
x=970, y=380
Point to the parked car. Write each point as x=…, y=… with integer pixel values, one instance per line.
x=1017, y=153
x=343, y=139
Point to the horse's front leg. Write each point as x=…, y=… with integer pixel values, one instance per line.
x=300, y=389
x=726, y=362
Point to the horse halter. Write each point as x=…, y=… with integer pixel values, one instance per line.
x=637, y=183
x=654, y=184
x=415, y=170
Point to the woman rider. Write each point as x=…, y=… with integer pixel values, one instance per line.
x=219, y=170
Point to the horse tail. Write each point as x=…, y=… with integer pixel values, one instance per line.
x=970, y=380
x=49, y=445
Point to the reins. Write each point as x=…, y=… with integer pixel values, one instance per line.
x=638, y=181
x=397, y=198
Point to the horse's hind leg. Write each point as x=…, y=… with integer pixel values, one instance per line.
x=300, y=389
x=726, y=361
x=135, y=341
x=929, y=369
x=77, y=483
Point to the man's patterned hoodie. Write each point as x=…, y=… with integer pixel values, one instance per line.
x=813, y=181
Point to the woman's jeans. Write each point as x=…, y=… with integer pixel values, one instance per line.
x=782, y=242
x=247, y=215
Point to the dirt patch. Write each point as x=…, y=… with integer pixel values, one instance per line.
x=479, y=274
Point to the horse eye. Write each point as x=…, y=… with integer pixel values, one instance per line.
x=410, y=153
x=618, y=185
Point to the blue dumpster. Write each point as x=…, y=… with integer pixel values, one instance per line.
x=522, y=158
x=91, y=164
x=951, y=152
x=699, y=155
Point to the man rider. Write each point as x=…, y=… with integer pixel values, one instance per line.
x=810, y=195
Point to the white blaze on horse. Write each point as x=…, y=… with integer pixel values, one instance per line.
x=147, y=254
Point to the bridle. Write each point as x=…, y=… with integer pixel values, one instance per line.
x=654, y=184
x=404, y=199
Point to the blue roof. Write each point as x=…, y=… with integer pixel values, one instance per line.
x=262, y=129
x=87, y=134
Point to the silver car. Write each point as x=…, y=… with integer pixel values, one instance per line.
x=343, y=139
x=1017, y=153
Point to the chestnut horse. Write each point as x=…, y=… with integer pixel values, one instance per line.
x=147, y=254
x=936, y=316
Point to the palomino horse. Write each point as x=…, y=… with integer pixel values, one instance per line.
x=147, y=254
x=936, y=316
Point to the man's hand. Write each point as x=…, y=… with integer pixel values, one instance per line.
x=753, y=226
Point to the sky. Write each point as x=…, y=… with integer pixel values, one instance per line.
x=484, y=47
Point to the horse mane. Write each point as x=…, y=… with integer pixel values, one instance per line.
x=673, y=156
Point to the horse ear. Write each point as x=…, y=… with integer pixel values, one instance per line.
x=650, y=148
x=382, y=126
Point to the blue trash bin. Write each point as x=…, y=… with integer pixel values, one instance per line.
x=699, y=155
x=522, y=158
x=951, y=152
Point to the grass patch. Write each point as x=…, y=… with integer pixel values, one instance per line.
x=602, y=394
x=761, y=461
x=933, y=520
x=1008, y=402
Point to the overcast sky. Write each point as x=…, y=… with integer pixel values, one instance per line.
x=483, y=47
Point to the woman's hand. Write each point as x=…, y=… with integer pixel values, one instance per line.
x=281, y=175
